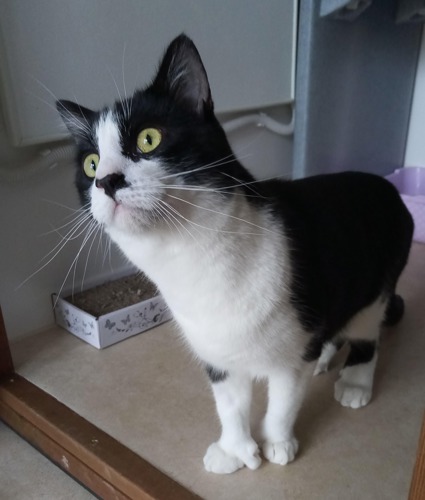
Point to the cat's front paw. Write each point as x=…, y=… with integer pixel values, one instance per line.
x=281, y=452
x=352, y=395
x=220, y=461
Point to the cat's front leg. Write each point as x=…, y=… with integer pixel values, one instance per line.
x=235, y=448
x=286, y=392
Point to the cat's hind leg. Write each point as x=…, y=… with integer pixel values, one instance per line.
x=235, y=448
x=354, y=387
x=394, y=311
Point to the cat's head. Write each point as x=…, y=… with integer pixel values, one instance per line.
x=149, y=158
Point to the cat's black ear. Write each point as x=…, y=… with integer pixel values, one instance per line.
x=182, y=74
x=77, y=119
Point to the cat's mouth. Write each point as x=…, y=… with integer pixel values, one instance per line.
x=108, y=209
x=125, y=210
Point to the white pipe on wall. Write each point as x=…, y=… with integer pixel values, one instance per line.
x=260, y=120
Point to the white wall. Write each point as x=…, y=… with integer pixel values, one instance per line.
x=415, y=150
x=248, y=52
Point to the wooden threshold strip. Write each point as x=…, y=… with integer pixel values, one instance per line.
x=417, y=486
x=94, y=458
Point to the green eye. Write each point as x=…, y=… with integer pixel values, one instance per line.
x=148, y=139
x=90, y=164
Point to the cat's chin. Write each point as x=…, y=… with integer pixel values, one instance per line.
x=127, y=220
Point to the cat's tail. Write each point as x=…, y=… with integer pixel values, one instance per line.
x=395, y=310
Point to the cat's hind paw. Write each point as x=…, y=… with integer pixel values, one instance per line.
x=219, y=461
x=352, y=396
x=282, y=452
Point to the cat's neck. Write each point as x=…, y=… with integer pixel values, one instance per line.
x=202, y=225
x=236, y=246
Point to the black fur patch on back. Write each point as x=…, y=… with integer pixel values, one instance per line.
x=349, y=238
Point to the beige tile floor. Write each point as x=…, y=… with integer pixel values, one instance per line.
x=150, y=394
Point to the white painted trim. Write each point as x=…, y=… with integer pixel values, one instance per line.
x=415, y=148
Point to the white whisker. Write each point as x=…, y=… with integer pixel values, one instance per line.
x=81, y=217
x=97, y=232
x=240, y=183
x=127, y=101
x=215, y=163
x=44, y=87
x=79, y=226
x=119, y=94
x=222, y=231
x=71, y=209
x=85, y=127
x=169, y=218
x=175, y=214
x=91, y=230
x=57, y=249
x=72, y=234
x=223, y=214
x=221, y=190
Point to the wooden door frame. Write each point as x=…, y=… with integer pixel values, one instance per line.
x=94, y=458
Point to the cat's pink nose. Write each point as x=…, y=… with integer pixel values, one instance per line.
x=111, y=183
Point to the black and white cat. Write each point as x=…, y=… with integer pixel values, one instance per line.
x=263, y=278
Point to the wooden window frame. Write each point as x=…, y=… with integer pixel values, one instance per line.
x=92, y=457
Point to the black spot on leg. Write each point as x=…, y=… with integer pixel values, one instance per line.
x=216, y=375
x=361, y=351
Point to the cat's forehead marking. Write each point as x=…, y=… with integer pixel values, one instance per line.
x=108, y=136
x=109, y=146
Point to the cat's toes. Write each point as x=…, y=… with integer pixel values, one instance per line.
x=282, y=452
x=218, y=461
x=223, y=462
x=351, y=395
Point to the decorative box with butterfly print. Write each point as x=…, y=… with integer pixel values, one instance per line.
x=106, y=329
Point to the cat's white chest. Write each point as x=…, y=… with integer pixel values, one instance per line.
x=208, y=298
x=223, y=299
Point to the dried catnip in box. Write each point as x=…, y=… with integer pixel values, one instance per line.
x=111, y=312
